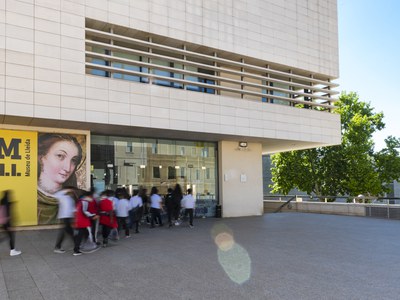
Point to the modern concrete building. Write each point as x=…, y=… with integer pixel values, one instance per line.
x=162, y=92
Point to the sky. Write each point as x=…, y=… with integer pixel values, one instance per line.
x=369, y=58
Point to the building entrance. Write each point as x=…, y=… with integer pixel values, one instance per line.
x=145, y=162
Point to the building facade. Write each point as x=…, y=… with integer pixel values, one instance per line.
x=154, y=93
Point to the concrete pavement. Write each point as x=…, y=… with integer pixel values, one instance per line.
x=276, y=256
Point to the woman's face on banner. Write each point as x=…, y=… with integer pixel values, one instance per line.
x=60, y=162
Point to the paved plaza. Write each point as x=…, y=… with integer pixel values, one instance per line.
x=276, y=256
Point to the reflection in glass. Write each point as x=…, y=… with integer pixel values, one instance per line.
x=135, y=162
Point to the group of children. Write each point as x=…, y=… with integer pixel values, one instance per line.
x=82, y=214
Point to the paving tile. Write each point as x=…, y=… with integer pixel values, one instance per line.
x=17, y=280
x=12, y=263
x=24, y=294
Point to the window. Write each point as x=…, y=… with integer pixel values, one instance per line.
x=204, y=152
x=166, y=73
x=200, y=79
x=129, y=148
x=208, y=173
x=129, y=67
x=156, y=172
x=99, y=61
x=309, y=99
x=264, y=91
x=171, y=172
x=114, y=166
x=154, y=148
x=276, y=93
x=280, y=93
x=183, y=172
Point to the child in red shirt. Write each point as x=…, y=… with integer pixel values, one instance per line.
x=108, y=219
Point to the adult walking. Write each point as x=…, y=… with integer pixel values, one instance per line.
x=66, y=210
x=6, y=220
x=177, y=196
x=169, y=206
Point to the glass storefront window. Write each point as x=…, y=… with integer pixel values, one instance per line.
x=135, y=162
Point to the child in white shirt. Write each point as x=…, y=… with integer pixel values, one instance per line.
x=123, y=209
x=189, y=203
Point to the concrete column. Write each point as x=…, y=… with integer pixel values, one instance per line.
x=240, y=183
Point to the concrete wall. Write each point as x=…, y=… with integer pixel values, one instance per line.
x=302, y=34
x=348, y=209
x=240, y=173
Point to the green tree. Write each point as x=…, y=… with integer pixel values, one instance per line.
x=388, y=160
x=351, y=168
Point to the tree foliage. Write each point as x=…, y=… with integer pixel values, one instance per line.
x=351, y=168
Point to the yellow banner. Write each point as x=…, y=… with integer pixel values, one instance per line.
x=18, y=173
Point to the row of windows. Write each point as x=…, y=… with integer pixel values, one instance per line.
x=127, y=54
x=174, y=172
x=167, y=74
x=145, y=70
x=172, y=84
x=176, y=150
x=131, y=148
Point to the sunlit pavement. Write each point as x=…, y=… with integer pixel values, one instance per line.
x=276, y=256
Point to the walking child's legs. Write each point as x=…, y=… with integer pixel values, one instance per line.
x=189, y=211
x=120, y=223
x=11, y=235
x=170, y=212
x=94, y=228
x=132, y=214
x=153, y=216
x=60, y=237
x=191, y=216
x=137, y=227
x=105, y=233
x=126, y=226
x=67, y=228
x=176, y=213
x=78, y=238
x=123, y=224
x=159, y=217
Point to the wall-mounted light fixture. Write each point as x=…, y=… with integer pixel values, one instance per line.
x=243, y=144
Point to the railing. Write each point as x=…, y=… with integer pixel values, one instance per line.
x=287, y=203
x=377, y=207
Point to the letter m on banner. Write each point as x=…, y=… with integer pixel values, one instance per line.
x=10, y=150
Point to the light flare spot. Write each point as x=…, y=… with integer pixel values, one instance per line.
x=224, y=241
x=232, y=257
x=236, y=263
